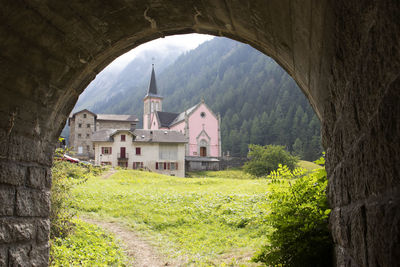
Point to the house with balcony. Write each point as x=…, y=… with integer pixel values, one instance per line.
x=154, y=150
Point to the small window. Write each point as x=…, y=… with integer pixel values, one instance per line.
x=79, y=125
x=87, y=135
x=161, y=165
x=88, y=125
x=138, y=151
x=106, y=150
x=203, y=114
x=80, y=150
x=84, y=115
x=88, y=148
x=172, y=166
x=122, y=138
x=79, y=135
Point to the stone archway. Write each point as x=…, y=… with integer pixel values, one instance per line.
x=343, y=54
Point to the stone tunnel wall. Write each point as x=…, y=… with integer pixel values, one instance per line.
x=361, y=132
x=343, y=54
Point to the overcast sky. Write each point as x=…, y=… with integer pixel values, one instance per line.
x=183, y=42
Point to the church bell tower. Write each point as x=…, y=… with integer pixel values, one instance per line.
x=152, y=103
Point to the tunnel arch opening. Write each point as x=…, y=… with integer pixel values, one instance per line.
x=343, y=55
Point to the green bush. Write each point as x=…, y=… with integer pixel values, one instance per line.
x=264, y=159
x=66, y=175
x=299, y=216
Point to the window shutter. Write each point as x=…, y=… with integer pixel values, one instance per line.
x=169, y=166
x=176, y=165
x=102, y=150
x=156, y=165
x=165, y=165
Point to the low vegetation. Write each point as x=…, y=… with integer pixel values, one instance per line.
x=225, y=174
x=73, y=242
x=86, y=245
x=299, y=219
x=210, y=221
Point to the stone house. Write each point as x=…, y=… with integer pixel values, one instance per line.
x=84, y=123
x=199, y=124
x=155, y=150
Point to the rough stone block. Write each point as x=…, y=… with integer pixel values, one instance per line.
x=39, y=255
x=5, y=235
x=43, y=230
x=3, y=256
x=19, y=256
x=37, y=177
x=11, y=173
x=32, y=202
x=12, y=230
x=7, y=199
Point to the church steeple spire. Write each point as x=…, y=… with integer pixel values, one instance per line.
x=152, y=90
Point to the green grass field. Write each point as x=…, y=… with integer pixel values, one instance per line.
x=206, y=221
x=308, y=165
x=87, y=245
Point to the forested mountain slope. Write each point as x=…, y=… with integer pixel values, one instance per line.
x=258, y=101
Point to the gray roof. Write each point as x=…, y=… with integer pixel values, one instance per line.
x=152, y=90
x=83, y=110
x=115, y=117
x=181, y=115
x=166, y=118
x=159, y=136
x=103, y=135
x=147, y=136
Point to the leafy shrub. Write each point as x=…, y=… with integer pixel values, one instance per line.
x=299, y=217
x=86, y=245
x=264, y=159
x=66, y=175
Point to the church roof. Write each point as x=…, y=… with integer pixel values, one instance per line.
x=181, y=116
x=165, y=118
x=152, y=90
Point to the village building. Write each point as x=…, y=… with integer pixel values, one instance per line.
x=199, y=124
x=154, y=150
x=169, y=143
x=84, y=123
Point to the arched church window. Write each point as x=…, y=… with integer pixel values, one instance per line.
x=152, y=106
x=157, y=106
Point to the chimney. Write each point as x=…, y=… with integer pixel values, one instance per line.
x=133, y=127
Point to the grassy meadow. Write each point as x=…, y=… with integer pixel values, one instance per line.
x=87, y=245
x=201, y=221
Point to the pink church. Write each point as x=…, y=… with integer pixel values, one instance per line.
x=199, y=124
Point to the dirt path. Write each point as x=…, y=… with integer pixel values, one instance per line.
x=141, y=253
x=108, y=174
